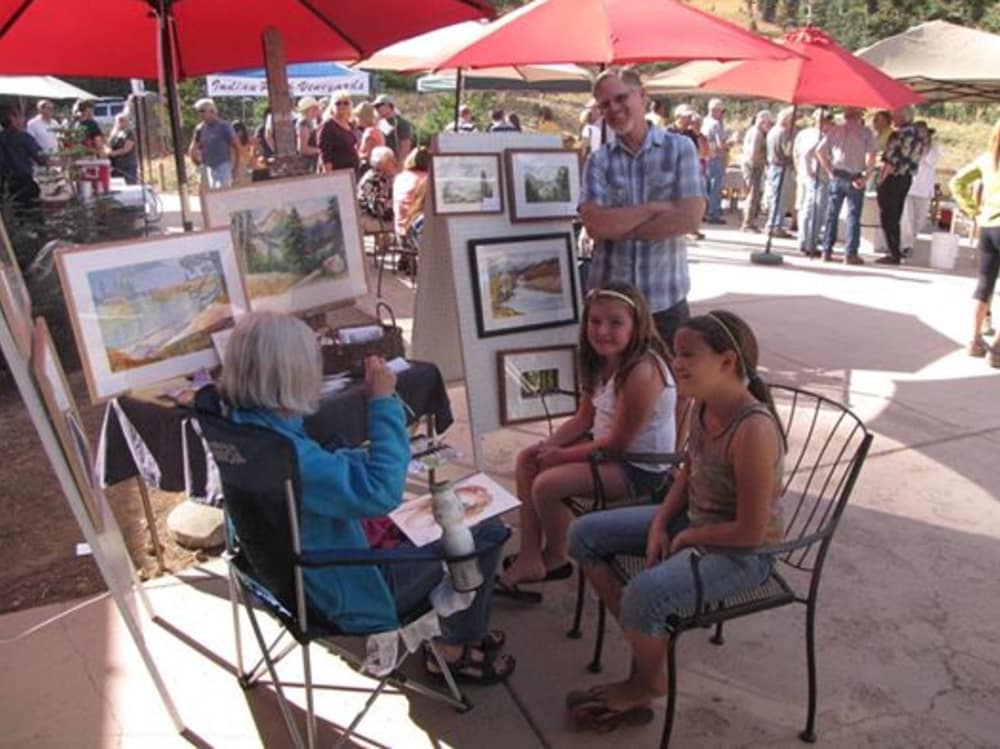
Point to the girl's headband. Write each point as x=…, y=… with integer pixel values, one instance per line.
x=593, y=293
x=736, y=346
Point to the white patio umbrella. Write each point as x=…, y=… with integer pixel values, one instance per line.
x=40, y=87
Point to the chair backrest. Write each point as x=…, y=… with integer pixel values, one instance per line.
x=260, y=486
x=827, y=445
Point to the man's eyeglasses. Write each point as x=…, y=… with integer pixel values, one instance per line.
x=343, y=103
x=617, y=100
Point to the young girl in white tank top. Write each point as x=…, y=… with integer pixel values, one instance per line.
x=627, y=405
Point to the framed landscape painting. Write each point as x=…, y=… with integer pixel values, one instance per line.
x=61, y=408
x=543, y=184
x=298, y=241
x=144, y=312
x=15, y=302
x=523, y=283
x=466, y=183
x=537, y=383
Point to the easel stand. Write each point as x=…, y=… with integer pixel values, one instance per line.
x=444, y=314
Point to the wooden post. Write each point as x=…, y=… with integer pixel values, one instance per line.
x=154, y=536
x=286, y=161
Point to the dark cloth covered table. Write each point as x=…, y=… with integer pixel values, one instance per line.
x=342, y=418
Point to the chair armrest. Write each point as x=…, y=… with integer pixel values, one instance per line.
x=404, y=555
x=605, y=455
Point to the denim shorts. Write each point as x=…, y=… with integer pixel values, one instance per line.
x=652, y=595
x=641, y=482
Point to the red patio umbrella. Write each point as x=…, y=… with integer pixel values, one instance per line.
x=824, y=73
x=605, y=32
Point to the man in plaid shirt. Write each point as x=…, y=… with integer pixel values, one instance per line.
x=641, y=194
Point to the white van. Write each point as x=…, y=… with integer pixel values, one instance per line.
x=105, y=109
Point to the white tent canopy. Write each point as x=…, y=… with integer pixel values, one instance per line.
x=40, y=87
x=541, y=77
x=941, y=60
x=686, y=79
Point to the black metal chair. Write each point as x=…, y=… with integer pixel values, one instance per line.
x=827, y=445
x=258, y=469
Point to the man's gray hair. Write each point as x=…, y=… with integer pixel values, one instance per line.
x=762, y=116
x=205, y=104
x=379, y=155
x=628, y=76
x=272, y=361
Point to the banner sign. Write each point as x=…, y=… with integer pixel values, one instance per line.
x=231, y=85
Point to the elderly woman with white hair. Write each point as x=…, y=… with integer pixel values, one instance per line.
x=375, y=191
x=272, y=379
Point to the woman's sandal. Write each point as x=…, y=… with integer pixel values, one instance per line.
x=596, y=715
x=487, y=668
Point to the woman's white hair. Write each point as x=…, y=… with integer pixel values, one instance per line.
x=272, y=361
x=380, y=154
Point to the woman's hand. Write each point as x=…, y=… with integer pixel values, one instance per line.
x=657, y=540
x=548, y=456
x=680, y=541
x=379, y=379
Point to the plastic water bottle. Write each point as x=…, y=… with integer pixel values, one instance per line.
x=456, y=539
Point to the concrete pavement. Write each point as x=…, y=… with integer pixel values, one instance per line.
x=909, y=654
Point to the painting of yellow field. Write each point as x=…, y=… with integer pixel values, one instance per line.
x=297, y=241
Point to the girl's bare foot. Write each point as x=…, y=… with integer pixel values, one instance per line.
x=524, y=569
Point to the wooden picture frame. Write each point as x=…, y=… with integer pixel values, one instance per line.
x=298, y=241
x=466, y=183
x=143, y=311
x=523, y=283
x=537, y=383
x=542, y=184
x=15, y=301
x=61, y=407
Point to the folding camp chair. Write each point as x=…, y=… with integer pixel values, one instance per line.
x=261, y=490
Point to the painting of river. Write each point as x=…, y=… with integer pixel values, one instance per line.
x=523, y=282
x=152, y=311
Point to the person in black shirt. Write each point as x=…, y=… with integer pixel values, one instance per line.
x=19, y=153
x=89, y=132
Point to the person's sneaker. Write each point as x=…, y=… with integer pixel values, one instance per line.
x=906, y=251
x=978, y=348
x=781, y=234
x=853, y=260
x=827, y=256
x=888, y=260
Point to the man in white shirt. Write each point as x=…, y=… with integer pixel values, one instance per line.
x=43, y=127
x=718, y=150
x=811, y=182
x=921, y=191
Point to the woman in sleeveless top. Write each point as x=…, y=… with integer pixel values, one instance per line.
x=627, y=406
x=724, y=499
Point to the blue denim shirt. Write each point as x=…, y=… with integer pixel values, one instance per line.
x=338, y=489
x=666, y=167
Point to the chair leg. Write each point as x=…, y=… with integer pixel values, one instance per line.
x=581, y=588
x=237, y=633
x=668, y=723
x=717, y=638
x=310, y=707
x=595, y=664
x=809, y=733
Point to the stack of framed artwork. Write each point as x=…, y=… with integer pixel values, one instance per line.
x=500, y=278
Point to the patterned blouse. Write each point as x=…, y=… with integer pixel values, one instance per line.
x=375, y=194
x=903, y=151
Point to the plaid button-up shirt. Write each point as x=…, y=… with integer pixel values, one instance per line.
x=665, y=168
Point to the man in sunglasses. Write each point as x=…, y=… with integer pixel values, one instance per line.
x=641, y=194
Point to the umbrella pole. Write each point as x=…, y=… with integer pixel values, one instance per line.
x=458, y=94
x=767, y=257
x=173, y=106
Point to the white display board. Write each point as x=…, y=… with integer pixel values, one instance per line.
x=107, y=545
x=444, y=326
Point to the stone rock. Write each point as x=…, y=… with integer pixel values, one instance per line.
x=196, y=526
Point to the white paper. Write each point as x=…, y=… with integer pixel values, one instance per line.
x=481, y=496
x=397, y=365
x=360, y=334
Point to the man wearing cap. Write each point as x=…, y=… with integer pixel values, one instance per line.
x=900, y=161
x=214, y=147
x=715, y=168
x=44, y=128
x=847, y=155
x=753, y=163
x=397, y=129
x=306, y=126
x=640, y=195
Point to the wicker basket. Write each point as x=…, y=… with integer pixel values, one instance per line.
x=338, y=357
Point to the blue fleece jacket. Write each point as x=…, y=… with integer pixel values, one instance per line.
x=338, y=489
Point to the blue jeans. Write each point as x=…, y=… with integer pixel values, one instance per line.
x=814, y=206
x=715, y=174
x=218, y=176
x=410, y=585
x=841, y=188
x=658, y=591
x=775, y=205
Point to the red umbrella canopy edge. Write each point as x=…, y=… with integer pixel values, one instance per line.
x=610, y=32
x=825, y=74
x=118, y=38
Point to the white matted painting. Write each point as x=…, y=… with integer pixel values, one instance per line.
x=466, y=183
x=523, y=283
x=298, y=241
x=61, y=407
x=543, y=184
x=537, y=383
x=481, y=497
x=15, y=302
x=144, y=312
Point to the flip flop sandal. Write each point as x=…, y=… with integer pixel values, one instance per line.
x=471, y=670
x=494, y=641
x=558, y=573
x=598, y=717
x=515, y=592
x=579, y=696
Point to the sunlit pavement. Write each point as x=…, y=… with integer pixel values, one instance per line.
x=909, y=653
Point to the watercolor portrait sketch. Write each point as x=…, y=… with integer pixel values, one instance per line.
x=298, y=241
x=523, y=283
x=144, y=312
